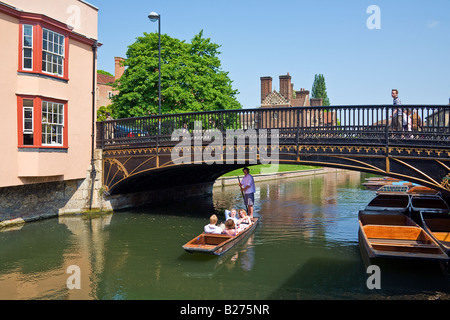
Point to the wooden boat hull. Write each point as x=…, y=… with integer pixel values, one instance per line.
x=422, y=190
x=437, y=225
x=389, y=202
x=375, y=183
x=217, y=244
x=425, y=202
x=395, y=236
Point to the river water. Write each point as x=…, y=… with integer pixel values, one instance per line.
x=306, y=247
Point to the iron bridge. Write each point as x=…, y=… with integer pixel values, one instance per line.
x=409, y=142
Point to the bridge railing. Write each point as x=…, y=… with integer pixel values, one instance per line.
x=334, y=125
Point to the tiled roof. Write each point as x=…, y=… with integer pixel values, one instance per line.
x=274, y=98
x=104, y=79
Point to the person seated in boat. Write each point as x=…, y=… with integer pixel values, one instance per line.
x=244, y=219
x=212, y=226
x=230, y=228
x=232, y=216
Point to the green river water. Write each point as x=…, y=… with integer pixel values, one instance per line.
x=305, y=247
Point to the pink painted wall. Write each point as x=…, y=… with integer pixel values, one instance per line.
x=19, y=166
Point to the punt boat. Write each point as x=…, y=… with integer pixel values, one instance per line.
x=437, y=225
x=393, y=235
x=375, y=183
x=398, y=202
x=218, y=244
x=429, y=202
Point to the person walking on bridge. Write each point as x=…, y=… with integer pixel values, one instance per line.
x=248, y=187
x=397, y=117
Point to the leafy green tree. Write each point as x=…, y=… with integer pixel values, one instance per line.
x=106, y=73
x=319, y=89
x=102, y=111
x=191, y=78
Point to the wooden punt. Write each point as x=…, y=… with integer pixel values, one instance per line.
x=437, y=225
x=422, y=190
x=391, y=189
x=428, y=202
x=217, y=244
x=389, y=202
x=385, y=235
x=375, y=183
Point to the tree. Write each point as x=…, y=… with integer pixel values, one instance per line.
x=319, y=89
x=102, y=111
x=106, y=73
x=191, y=78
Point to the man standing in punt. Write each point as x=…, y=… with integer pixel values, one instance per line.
x=248, y=187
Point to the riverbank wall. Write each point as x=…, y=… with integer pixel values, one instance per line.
x=226, y=181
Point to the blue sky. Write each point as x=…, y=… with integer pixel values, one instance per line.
x=410, y=52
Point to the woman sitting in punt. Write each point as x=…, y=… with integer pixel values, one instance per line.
x=230, y=228
x=243, y=217
x=244, y=220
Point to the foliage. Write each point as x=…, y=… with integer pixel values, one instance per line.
x=106, y=73
x=319, y=89
x=191, y=78
x=101, y=112
x=266, y=168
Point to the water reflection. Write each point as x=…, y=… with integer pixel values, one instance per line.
x=34, y=260
x=312, y=208
x=305, y=247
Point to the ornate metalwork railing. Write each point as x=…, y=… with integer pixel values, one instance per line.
x=411, y=125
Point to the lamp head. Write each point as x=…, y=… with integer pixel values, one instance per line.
x=153, y=16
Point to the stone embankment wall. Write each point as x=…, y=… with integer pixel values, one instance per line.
x=33, y=202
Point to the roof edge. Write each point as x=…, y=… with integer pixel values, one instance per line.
x=88, y=4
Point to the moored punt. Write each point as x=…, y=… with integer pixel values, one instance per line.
x=422, y=190
x=375, y=183
x=437, y=225
x=217, y=244
x=428, y=202
x=391, y=235
x=391, y=189
x=389, y=202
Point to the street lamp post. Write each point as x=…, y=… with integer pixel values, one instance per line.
x=153, y=16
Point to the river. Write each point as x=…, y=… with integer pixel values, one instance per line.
x=306, y=247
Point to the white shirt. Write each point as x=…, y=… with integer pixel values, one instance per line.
x=211, y=228
x=248, y=181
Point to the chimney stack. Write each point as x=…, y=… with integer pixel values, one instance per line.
x=120, y=68
x=266, y=87
x=285, y=87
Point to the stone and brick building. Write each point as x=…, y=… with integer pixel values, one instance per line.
x=287, y=98
x=105, y=90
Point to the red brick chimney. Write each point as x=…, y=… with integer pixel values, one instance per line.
x=285, y=87
x=316, y=102
x=266, y=87
x=120, y=68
